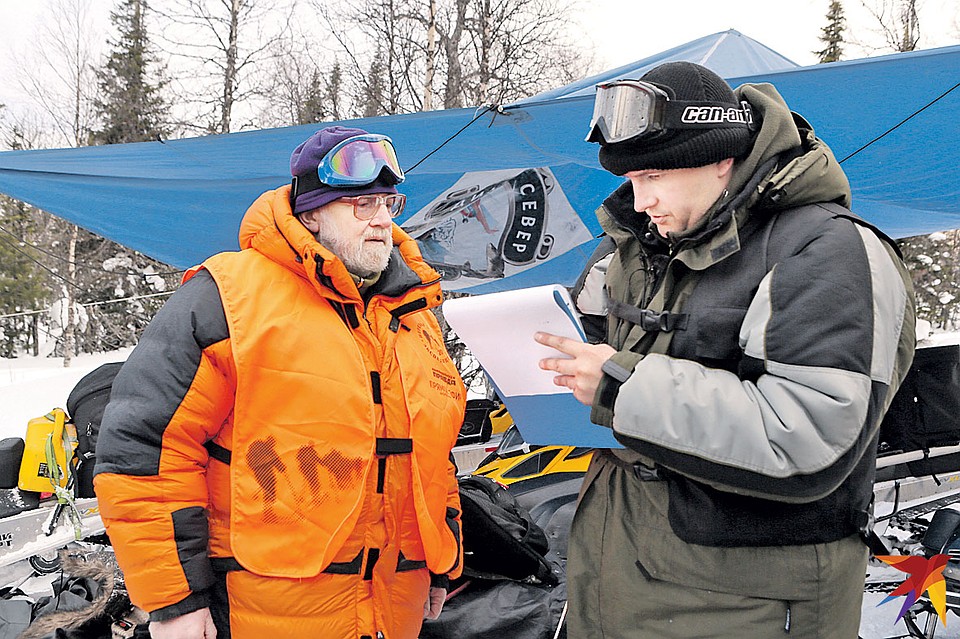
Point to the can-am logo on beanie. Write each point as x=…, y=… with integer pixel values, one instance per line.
x=717, y=115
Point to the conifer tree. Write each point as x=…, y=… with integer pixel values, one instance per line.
x=321, y=97
x=312, y=109
x=934, y=264
x=24, y=285
x=130, y=104
x=373, y=94
x=131, y=109
x=334, y=87
x=832, y=34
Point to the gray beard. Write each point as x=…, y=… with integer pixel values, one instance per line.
x=359, y=257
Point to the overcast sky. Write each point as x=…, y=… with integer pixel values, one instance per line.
x=617, y=31
x=628, y=30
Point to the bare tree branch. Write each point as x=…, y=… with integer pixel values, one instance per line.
x=897, y=22
x=63, y=82
x=224, y=48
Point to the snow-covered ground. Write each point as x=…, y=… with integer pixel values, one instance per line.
x=30, y=387
x=879, y=621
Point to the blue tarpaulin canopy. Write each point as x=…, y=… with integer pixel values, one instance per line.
x=509, y=201
x=728, y=54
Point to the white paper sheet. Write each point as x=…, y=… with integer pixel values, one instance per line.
x=498, y=328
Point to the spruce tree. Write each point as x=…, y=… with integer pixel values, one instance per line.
x=25, y=283
x=334, y=88
x=373, y=94
x=131, y=109
x=832, y=34
x=312, y=109
x=934, y=264
x=321, y=99
x=130, y=104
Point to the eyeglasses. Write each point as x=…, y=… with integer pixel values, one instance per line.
x=365, y=207
x=359, y=160
x=636, y=110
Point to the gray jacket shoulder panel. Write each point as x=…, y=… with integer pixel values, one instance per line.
x=156, y=377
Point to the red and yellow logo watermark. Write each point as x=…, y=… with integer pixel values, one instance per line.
x=925, y=575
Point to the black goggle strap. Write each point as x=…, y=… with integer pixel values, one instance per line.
x=304, y=184
x=307, y=182
x=311, y=182
x=685, y=115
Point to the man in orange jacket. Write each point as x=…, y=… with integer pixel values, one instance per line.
x=275, y=458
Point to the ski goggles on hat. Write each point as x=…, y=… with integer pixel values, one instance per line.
x=636, y=110
x=358, y=161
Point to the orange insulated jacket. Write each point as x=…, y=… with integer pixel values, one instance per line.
x=274, y=421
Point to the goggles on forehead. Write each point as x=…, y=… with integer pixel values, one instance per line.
x=635, y=110
x=359, y=161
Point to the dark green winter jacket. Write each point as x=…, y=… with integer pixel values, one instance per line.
x=758, y=353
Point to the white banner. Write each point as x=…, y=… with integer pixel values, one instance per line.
x=493, y=224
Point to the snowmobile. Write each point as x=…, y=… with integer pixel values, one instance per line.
x=41, y=511
x=46, y=480
x=36, y=533
x=524, y=467
x=917, y=486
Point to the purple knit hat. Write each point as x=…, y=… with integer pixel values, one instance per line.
x=306, y=158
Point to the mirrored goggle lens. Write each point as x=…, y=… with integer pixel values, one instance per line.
x=359, y=161
x=623, y=111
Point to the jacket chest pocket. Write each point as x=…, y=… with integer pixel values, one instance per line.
x=712, y=337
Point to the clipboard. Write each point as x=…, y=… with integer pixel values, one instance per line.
x=498, y=328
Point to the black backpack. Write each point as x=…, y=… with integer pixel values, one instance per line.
x=925, y=412
x=500, y=538
x=85, y=407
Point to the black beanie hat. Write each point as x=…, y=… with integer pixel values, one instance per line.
x=681, y=149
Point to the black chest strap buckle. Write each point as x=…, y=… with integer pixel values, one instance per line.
x=650, y=321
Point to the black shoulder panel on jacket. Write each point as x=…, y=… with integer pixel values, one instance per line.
x=396, y=279
x=156, y=377
x=206, y=309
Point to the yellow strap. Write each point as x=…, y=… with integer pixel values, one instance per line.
x=53, y=467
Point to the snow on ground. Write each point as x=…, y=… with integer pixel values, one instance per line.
x=32, y=386
x=879, y=620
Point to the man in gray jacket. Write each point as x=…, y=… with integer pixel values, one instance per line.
x=751, y=333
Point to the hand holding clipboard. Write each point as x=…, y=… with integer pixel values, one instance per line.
x=500, y=329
